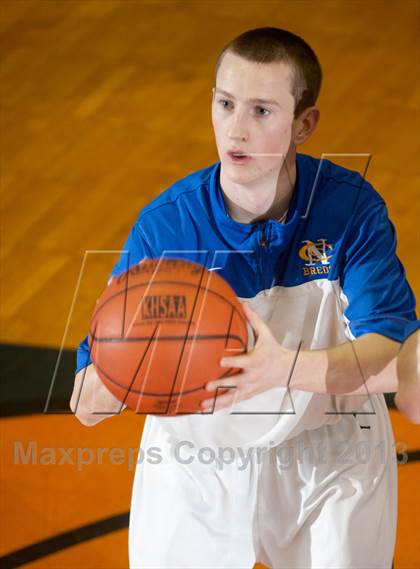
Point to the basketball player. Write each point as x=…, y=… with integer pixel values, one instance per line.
x=309, y=246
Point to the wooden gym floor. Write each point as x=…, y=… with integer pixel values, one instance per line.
x=104, y=104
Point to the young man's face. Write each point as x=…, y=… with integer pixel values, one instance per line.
x=262, y=129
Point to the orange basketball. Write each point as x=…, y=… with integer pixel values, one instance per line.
x=159, y=331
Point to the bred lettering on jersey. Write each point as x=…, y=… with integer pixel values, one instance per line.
x=163, y=307
x=316, y=270
x=317, y=256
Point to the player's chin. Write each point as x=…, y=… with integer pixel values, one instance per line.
x=243, y=174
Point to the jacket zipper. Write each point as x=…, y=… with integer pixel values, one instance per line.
x=263, y=245
x=263, y=242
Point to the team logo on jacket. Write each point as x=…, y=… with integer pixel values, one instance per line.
x=317, y=257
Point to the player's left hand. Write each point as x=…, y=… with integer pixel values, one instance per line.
x=263, y=367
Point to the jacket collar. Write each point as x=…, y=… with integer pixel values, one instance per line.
x=297, y=205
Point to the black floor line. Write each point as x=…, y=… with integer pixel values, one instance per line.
x=63, y=540
x=31, y=376
x=413, y=455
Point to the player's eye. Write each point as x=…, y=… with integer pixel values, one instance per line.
x=263, y=112
x=224, y=103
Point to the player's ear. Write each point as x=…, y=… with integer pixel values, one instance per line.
x=305, y=124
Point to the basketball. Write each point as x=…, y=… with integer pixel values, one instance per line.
x=158, y=333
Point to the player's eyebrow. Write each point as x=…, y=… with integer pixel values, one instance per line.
x=257, y=100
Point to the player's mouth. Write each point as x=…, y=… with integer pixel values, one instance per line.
x=238, y=157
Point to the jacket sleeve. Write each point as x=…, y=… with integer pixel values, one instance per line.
x=378, y=296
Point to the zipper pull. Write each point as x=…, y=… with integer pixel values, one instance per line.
x=263, y=241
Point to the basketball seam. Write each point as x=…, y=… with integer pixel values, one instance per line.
x=153, y=394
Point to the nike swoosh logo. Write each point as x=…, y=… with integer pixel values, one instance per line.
x=215, y=268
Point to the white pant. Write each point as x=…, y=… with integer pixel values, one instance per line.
x=326, y=498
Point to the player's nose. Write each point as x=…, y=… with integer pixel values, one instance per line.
x=237, y=128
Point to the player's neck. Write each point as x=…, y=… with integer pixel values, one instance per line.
x=264, y=199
